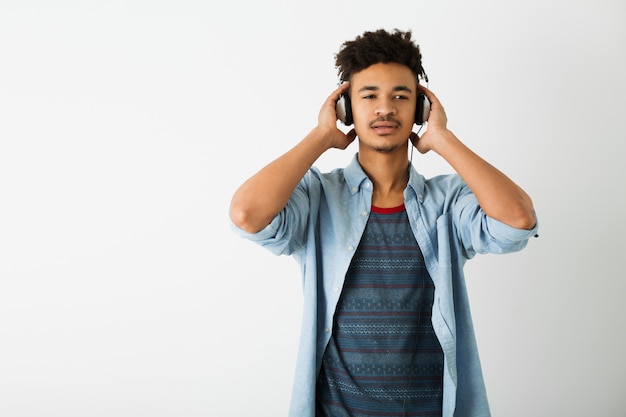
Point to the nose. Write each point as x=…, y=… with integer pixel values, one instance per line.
x=385, y=108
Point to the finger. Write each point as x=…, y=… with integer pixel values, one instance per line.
x=351, y=134
x=431, y=96
x=331, y=100
x=340, y=90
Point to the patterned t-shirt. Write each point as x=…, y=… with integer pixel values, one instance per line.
x=383, y=358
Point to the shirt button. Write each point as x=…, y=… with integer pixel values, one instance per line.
x=364, y=213
x=336, y=289
x=350, y=248
x=419, y=196
x=367, y=185
x=327, y=330
x=354, y=189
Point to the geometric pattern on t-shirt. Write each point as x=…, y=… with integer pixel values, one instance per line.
x=383, y=358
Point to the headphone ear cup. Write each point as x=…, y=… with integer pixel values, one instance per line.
x=422, y=109
x=343, y=108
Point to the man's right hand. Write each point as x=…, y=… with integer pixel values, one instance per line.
x=327, y=121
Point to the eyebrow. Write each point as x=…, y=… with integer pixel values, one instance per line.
x=375, y=88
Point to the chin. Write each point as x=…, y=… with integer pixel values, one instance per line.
x=387, y=143
x=385, y=149
x=384, y=143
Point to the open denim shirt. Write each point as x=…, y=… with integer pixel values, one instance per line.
x=321, y=227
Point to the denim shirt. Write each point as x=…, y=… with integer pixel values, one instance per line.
x=321, y=227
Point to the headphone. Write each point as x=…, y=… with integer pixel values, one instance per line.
x=343, y=107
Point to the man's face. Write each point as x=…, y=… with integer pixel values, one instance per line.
x=383, y=98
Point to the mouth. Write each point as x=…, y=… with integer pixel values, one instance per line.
x=384, y=127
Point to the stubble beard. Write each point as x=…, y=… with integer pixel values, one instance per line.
x=386, y=149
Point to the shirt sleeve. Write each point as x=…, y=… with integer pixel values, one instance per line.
x=286, y=233
x=480, y=233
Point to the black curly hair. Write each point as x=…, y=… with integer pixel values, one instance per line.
x=376, y=47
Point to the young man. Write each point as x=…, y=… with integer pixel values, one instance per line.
x=386, y=323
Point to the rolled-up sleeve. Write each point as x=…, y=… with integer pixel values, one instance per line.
x=480, y=233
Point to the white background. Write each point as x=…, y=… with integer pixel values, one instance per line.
x=125, y=127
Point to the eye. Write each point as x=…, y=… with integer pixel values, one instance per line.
x=401, y=97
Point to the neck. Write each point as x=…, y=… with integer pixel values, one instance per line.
x=389, y=173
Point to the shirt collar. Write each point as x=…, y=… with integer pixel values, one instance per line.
x=355, y=177
x=354, y=174
x=415, y=187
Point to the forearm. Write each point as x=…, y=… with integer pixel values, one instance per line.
x=258, y=200
x=498, y=196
